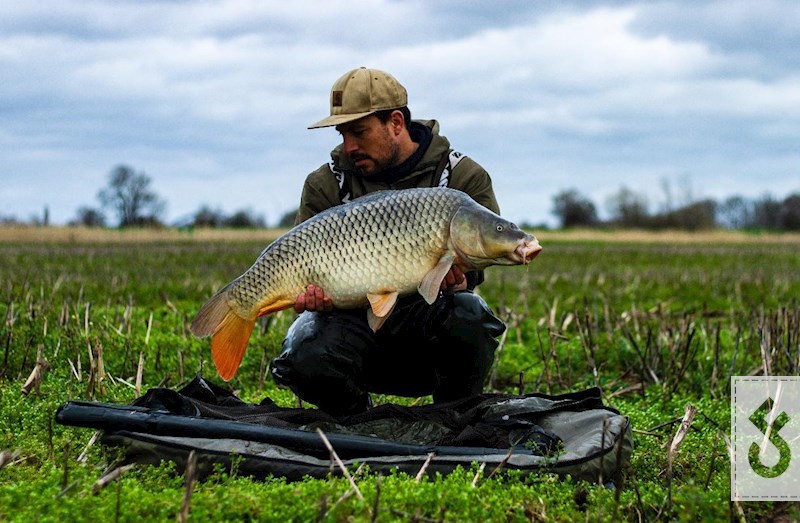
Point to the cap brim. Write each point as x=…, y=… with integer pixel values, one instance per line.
x=338, y=119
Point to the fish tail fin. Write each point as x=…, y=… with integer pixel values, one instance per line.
x=229, y=344
x=211, y=314
x=230, y=333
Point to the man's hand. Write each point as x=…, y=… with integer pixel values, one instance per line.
x=454, y=280
x=314, y=299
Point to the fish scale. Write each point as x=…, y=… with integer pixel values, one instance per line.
x=365, y=252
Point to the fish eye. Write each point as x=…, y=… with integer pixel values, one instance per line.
x=499, y=227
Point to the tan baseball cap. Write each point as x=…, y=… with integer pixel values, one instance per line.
x=361, y=92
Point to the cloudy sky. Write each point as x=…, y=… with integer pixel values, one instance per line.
x=211, y=99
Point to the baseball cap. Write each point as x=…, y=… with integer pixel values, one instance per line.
x=361, y=92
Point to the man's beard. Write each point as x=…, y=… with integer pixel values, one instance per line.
x=391, y=159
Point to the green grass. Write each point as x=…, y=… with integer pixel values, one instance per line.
x=656, y=325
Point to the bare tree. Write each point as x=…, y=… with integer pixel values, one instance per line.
x=735, y=212
x=628, y=208
x=766, y=213
x=129, y=195
x=669, y=199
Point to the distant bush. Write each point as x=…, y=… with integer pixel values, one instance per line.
x=88, y=217
x=574, y=210
x=288, y=219
x=245, y=219
x=629, y=209
x=241, y=219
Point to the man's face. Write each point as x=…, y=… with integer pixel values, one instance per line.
x=370, y=144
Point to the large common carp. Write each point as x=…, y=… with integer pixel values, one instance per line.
x=364, y=253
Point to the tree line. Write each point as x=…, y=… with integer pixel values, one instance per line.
x=629, y=209
x=130, y=199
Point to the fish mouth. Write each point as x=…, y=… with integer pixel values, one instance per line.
x=527, y=250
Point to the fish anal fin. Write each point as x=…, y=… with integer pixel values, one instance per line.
x=230, y=343
x=432, y=281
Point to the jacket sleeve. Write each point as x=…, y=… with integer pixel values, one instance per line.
x=320, y=192
x=470, y=177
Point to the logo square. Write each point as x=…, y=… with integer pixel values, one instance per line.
x=765, y=435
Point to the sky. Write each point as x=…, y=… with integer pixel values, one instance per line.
x=677, y=100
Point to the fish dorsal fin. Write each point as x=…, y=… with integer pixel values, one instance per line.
x=381, y=306
x=430, y=284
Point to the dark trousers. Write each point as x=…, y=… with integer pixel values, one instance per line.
x=333, y=359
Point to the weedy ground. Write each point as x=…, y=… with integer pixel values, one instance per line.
x=659, y=322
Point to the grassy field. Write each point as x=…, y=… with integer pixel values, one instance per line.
x=658, y=321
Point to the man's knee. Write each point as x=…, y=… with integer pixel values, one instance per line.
x=322, y=363
x=468, y=338
x=470, y=316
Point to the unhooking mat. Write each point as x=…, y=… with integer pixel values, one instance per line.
x=571, y=434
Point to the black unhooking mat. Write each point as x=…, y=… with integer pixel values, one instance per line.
x=567, y=434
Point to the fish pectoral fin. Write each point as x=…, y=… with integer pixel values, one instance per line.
x=430, y=284
x=382, y=304
x=375, y=322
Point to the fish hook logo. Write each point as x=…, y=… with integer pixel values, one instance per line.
x=759, y=419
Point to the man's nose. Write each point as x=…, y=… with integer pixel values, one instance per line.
x=349, y=144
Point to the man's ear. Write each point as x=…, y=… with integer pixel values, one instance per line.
x=398, y=122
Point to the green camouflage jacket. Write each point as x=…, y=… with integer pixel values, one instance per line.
x=337, y=182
